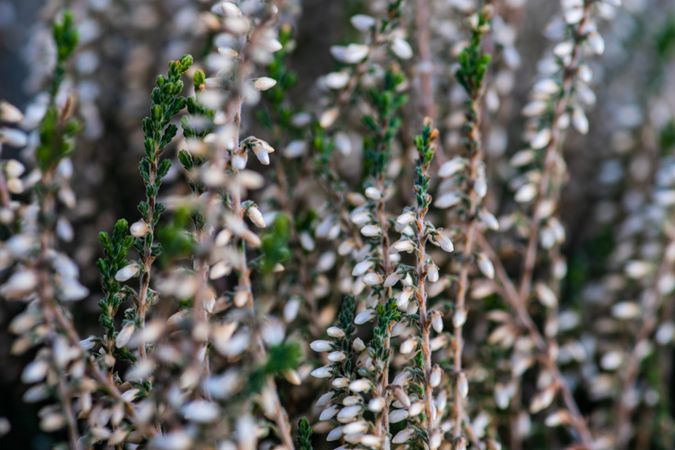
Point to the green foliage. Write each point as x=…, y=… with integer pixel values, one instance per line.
x=303, y=437
x=57, y=130
x=275, y=244
x=199, y=80
x=281, y=358
x=65, y=37
x=57, y=138
x=167, y=102
x=285, y=78
x=324, y=147
x=665, y=38
x=473, y=62
x=384, y=125
x=426, y=149
x=174, y=238
x=200, y=122
x=115, y=251
x=393, y=15
x=386, y=314
x=667, y=137
x=345, y=321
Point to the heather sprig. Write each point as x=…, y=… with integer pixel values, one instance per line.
x=167, y=101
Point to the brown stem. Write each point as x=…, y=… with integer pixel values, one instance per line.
x=424, y=322
x=425, y=65
x=651, y=303
x=551, y=152
x=508, y=290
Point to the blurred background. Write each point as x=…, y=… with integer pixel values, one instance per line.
x=126, y=43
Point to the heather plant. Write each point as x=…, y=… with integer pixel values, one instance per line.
x=395, y=254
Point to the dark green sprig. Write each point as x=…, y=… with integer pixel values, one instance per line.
x=66, y=38
x=426, y=148
x=274, y=245
x=115, y=251
x=393, y=15
x=280, y=358
x=473, y=62
x=387, y=314
x=384, y=125
x=346, y=323
x=167, y=102
x=57, y=129
x=304, y=435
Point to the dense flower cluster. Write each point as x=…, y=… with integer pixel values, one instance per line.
x=391, y=259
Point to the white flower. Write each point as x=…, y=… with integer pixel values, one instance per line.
x=444, y=242
x=437, y=321
x=541, y=139
x=322, y=372
x=127, y=272
x=364, y=316
x=449, y=168
x=328, y=413
x=489, y=219
x=403, y=245
x=291, y=309
x=295, y=149
x=336, y=80
x=350, y=54
x=626, y=310
x=408, y=346
x=485, y=266
x=336, y=356
x=70, y=289
x=526, y=193
x=201, y=411
x=328, y=117
x=264, y=83
x=462, y=385
x=546, y=295
x=362, y=267
x=35, y=371
x=14, y=168
x=371, y=230
x=20, y=284
x=432, y=272
x=436, y=375
x=403, y=299
x=334, y=434
x=254, y=214
x=348, y=413
x=447, y=200
x=335, y=332
x=358, y=345
x=373, y=279
x=405, y=218
x=376, y=404
x=459, y=318
x=401, y=48
x=139, y=229
x=124, y=335
x=403, y=436
x=580, y=121
x=398, y=415
x=13, y=137
x=596, y=42
x=321, y=345
x=362, y=22
x=362, y=385
x=10, y=113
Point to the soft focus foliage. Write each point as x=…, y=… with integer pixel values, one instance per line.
x=285, y=224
